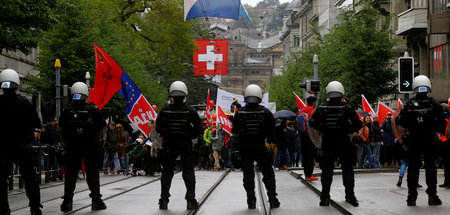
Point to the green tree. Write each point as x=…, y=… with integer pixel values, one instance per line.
x=356, y=52
x=22, y=23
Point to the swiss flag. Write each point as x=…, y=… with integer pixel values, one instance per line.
x=141, y=113
x=383, y=110
x=300, y=103
x=211, y=58
x=222, y=118
x=366, y=106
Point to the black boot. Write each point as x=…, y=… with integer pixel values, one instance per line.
x=98, y=204
x=324, y=201
x=352, y=200
x=251, y=202
x=66, y=205
x=163, y=203
x=192, y=204
x=399, y=183
x=434, y=200
x=36, y=211
x=274, y=203
x=411, y=201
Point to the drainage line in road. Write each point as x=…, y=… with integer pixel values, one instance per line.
x=264, y=202
x=209, y=192
x=317, y=191
x=115, y=195
x=79, y=191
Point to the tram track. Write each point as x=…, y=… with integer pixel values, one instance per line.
x=263, y=197
x=208, y=193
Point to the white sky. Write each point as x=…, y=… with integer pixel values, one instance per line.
x=255, y=2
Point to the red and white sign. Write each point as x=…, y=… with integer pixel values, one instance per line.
x=211, y=58
x=366, y=106
x=141, y=113
x=383, y=110
x=223, y=118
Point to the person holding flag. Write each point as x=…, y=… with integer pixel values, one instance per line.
x=178, y=123
x=307, y=146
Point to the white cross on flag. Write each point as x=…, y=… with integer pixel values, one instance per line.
x=211, y=58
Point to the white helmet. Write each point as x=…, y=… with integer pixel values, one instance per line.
x=178, y=88
x=253, y=94
x=334, y=90
x=9, y=79
x=79, y=90
x=421, y=84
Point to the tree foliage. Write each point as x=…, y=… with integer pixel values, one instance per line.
x=356, y=52
x=147, y=38
x=22, y=23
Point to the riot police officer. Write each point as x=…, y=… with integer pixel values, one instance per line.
x=178, y=123
x=422, y=116
x=336, y=120
x=252, y=124
x=19, y=119
x=82, y=126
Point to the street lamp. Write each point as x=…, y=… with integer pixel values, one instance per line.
x=58, y=88
x=88, y=80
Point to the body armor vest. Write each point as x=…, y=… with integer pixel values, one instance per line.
x=176, y=122
x=80, y=123
x=253, y=122
x=420, y=114
x=334, y=117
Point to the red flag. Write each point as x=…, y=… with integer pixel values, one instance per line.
x=107, y=78
x=366, y=106
x=223, y=118
x=399, y=105
x=360, y=117
x=300, y=103
x=211, y=58
x=383, y=110
x=448, y=102
x=208, y=109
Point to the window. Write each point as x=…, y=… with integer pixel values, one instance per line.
x=296, y=40
x=440, y=61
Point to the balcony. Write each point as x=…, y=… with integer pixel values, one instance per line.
x=414, y=19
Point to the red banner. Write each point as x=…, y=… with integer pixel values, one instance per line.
x=300, y=103
x=222, y=118
x=383, y=110
x=107, y=78
x=208, y=110
x=366, y=106
x=399, y=105
x=211, y=58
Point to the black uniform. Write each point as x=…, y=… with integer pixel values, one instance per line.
x=19, y=119
x=81, y=125
x=178, y=123
x=252, y=125
x=336, y=120
x=422, y=117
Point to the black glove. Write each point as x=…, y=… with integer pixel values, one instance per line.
x=236, y=159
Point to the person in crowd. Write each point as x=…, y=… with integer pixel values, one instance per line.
x=123, y=144
x=156, y=146
x=217, y=144
x=204, y=150
x=82, y=131
x=50, y=137
x=336, y=120
x=293, y=144
x=136, y=155
x=307, y=146
x=388, y=141
x=377, y=139
x=252, y=124
x=111, y=147
x=208, y=151
x=445, y=153
x=423, y=117
x=178, y=123
x=19, y=121
x=282, y=160
x=366, y=135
